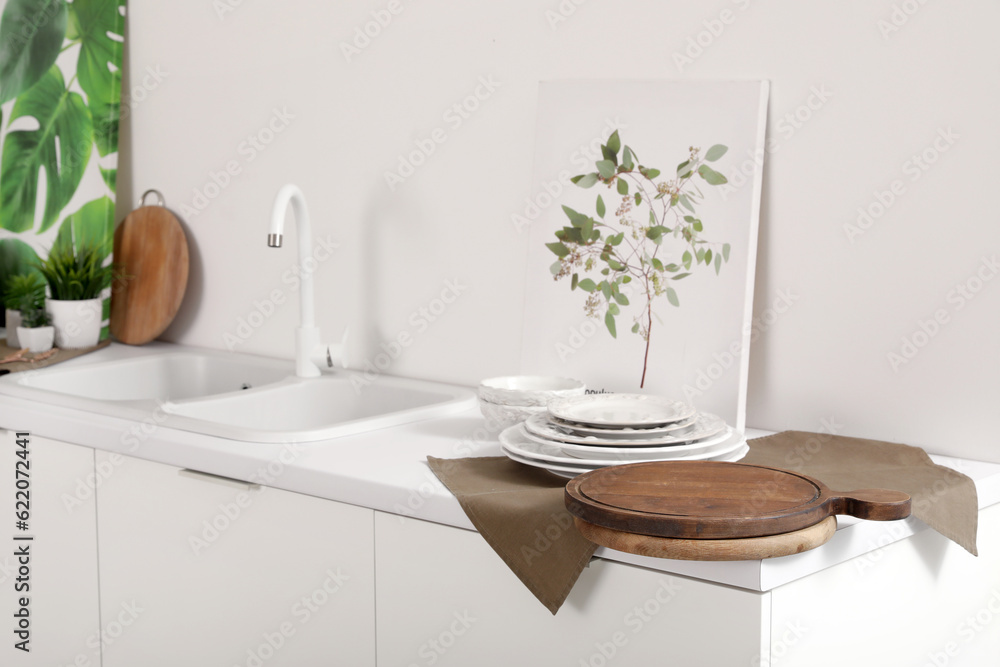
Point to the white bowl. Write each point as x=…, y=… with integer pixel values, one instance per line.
x=499, y=416
x=528, y=390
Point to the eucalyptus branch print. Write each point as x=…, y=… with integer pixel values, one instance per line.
x=638, y=243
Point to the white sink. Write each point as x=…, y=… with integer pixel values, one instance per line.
x=306, y=409
x=165, y=376
x=235, y=396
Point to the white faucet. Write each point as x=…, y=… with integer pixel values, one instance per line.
x=310, y=354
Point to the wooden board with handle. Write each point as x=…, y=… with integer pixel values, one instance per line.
x=151, y=253
x=745, y=548
x=710, y=500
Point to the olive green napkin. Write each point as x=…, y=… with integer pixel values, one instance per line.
x=943, y=498
x=520, y=512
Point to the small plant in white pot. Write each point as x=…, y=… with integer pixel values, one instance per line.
x=25, y=286
x=76, y=280
x=35, y=332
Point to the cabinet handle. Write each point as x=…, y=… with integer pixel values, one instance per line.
x=219, y=479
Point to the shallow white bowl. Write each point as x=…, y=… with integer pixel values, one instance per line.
x=528, y=390
x=501, y=416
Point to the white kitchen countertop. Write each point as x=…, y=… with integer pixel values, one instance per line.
x=386, y=470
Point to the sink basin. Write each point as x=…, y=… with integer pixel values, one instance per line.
x=304, y=409
x=168, y=376
x=235, y=396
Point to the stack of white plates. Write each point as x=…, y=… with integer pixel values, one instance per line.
x=583, y=433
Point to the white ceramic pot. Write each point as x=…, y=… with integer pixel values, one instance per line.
x=77, y=323
x=38, y=339
x=13, y=318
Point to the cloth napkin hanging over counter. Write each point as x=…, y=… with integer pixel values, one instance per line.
x=943, y=498
x=520, y=510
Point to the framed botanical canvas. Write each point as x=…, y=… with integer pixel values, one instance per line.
x=642, y=237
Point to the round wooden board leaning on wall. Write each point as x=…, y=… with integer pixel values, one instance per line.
x=151, y=254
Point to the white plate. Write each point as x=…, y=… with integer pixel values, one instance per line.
x=570, y=471
x=621, y=432
x=562, y=471
x=516, y=440
x=716, y=448
x=728, y=458
x=636, y=452
x=620, y=410
x=705, y=425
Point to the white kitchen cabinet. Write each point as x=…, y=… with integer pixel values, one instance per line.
x=445, y=598
x=202, y=571
x=923, y=601
x=198, y=570
x=62, y=557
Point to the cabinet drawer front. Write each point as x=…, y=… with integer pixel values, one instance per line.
x=218, y=572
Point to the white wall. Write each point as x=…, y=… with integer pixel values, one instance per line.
x=823, y=361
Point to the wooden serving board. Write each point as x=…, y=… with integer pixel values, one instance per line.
x=745, y=548
x=152, y=255
x=707, y=500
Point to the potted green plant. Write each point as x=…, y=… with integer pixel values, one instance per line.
x=35, y=332
x=24, y=286
x=76, y=280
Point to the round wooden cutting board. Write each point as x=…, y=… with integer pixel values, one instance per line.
x=707, y=500
x=745, y=548
x=151, y=253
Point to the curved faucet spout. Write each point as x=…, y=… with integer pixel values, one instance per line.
x=307, y=334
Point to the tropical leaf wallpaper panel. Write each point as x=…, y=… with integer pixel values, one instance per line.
x=60, y=98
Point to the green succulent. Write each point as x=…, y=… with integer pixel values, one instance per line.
x=24, y=286
x=33, y=315
x=76, y=276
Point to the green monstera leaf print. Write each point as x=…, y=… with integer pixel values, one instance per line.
x=93, y=23
x=93, y=226
x=31, y=36
x=61, y=114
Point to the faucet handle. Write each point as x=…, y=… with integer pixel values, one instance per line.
x=330, y=355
